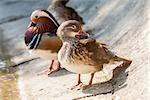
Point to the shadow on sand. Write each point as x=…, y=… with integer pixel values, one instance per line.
x=110, y=87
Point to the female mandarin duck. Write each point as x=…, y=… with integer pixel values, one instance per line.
x=83, y=56
x=40, y=36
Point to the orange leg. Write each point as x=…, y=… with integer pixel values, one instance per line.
x=56, y=70
x=90, y=82
x=51, y=66
x=50, y=70
x=91, y=79
x=79, y=79
x=79, y=82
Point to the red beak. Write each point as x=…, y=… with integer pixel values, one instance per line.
x=82, y=33
x=31, y=24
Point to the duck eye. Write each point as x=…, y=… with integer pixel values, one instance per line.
x=36, y=16
x=73, y=26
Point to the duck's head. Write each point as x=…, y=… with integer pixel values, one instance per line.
x=42, y=22
x=71, y=28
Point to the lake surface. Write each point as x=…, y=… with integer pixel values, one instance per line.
x=8, y=83
x=8, y=77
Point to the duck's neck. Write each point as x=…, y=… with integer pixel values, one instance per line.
x=71, y=40
x=58, y=4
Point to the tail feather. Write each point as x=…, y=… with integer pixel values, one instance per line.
x=122, y=67
x=126, y=62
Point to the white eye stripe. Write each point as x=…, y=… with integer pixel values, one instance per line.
x=73, y=26
x=44, y=13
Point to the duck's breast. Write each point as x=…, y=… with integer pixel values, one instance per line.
x=74, y=64
x=44, y=54
x=79, y=68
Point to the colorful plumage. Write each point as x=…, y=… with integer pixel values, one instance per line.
x=41, y=37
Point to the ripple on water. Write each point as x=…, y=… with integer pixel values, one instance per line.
x=8, y=83
x=2, y=64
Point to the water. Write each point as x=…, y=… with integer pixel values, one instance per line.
x=8, y=78
x=2, y=64
x=8, y=83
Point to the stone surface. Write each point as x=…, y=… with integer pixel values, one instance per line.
x=122, y=24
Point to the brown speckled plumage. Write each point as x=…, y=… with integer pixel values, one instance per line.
x=83, y=55
x=86, y=52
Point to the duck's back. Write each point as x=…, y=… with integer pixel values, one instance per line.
x=64, y=13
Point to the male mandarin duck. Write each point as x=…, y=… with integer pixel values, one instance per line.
x=83, y=56
x=41, y=37
x=62, y=12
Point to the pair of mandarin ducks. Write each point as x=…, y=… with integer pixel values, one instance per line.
x=57, y=34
